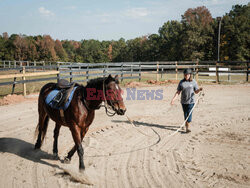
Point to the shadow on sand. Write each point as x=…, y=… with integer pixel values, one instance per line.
x=25, y=150
x=139, y=123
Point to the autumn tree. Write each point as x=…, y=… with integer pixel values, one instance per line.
x=46, y=48
x=60, y=52
x=197, y=25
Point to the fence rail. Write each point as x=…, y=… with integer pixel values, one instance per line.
x=82, y=72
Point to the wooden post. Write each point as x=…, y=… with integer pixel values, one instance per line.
x=139, y=71
x=107, y=68
x=58, y=69
x=157, y=71
x=247, y=71
x=229, y=75
x=87, y=73
x=122, y=74
x=197, y=71
x=217, y=72
x=9, y=64
x=24, y=84
x=13, y=87
x=70, y=73
x=103, y=71
x=176, y=71
x=131, y=67
x=161, y=72
x=14, y=64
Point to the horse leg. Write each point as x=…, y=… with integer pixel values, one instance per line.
x=56, y=134
x=42, y=129
x=70, y=154
x=77, y=136
x=73, y=150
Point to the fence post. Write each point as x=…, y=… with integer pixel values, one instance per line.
x=104, y=70
x=176, y=70
x=87, y=73
x=14, y=64
x=70, y=73
x=247, y=71
x=58, y=69
x=9, y=64
x=139, y=71
x=157, y=71
x=24, y=84
x=229, y=75
x=43, y=64
x=107, y=69
x=13, y=87
x=197, y=71
x=122, y=74
x=131, y=69
x=217, y=72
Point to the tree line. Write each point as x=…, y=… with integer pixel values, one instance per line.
x=194, y=37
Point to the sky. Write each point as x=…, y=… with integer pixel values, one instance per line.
x=98, y=19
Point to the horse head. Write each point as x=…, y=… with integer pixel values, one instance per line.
x=113, y=94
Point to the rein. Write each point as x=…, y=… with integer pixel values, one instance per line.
x=109, y=110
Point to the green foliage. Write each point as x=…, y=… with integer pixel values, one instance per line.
x=194, y=37
x=235, y=32
x=171, y=39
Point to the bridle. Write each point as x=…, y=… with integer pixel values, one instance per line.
x=109, y=109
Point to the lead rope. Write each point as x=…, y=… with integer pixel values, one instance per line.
x=201, y=95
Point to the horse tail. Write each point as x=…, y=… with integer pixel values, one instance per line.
x=41, y=128
x=44, y=128
x=40, y=132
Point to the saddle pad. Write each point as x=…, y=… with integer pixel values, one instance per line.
x=53, y=93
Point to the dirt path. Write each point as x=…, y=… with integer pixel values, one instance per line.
x=215, y=154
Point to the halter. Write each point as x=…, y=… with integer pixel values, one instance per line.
x=108, y=108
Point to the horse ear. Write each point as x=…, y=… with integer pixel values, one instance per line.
x=117, y=79
x=109, y=76
x=108, y=79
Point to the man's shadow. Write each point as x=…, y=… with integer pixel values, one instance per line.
x=138, y=123
x=25, y=150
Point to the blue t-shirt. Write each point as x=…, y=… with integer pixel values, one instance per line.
x=187, y=89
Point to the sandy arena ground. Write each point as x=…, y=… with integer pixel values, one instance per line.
x=215, y=154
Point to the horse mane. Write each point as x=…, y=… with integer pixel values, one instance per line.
x=98, y=82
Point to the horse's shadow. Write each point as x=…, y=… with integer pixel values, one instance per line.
x=25, y=150
x=139, y=123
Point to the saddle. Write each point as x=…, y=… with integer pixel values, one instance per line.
x=64, y=84
x=65, y=88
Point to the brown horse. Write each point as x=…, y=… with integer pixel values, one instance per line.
x=80, y=113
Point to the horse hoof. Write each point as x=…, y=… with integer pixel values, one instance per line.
x=55, y=156
x=37, y=146
x=66, y=160
x=81, y=170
